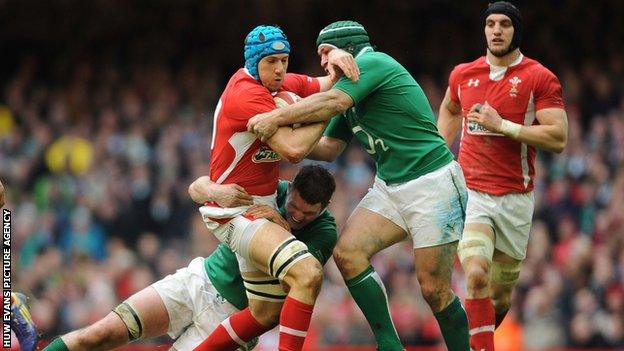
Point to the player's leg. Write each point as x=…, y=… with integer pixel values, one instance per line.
x=240, y=330
x=210, y=311
x=475, y=252
x=287, y=259
x=504, y=275
x=365, y=234
x=167, y=306
x=434, y=267
x=275, y=252
x=143, y=315
x=436, y=220
x=512, y=237
x=494, y=222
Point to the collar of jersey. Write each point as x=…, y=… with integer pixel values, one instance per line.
x=364, y=50
x=514, y=63
x=249, y=74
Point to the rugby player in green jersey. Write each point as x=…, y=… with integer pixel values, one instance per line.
x=419, y=189
x=191, y=303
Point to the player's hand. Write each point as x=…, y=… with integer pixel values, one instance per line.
x=339, y=62
x=268, y=212
x=486, y=116
x=263, y=125
x=231, y=195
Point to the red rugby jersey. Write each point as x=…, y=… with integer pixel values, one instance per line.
x=493, y=163
x=237, y=155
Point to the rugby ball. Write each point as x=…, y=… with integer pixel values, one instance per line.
x=285, y=98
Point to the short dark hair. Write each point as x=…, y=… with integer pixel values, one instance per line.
x=315, y=185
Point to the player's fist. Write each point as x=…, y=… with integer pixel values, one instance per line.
x=263, y=125
x=486, y=116
x=339, y=62
x=232, y=195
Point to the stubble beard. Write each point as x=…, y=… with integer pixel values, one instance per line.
x=499, y=52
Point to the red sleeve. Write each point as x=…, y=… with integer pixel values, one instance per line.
x=301, y=85
x=246, y=104
x=548, y=92
x=453, y=83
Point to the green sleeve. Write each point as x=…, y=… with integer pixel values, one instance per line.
x=222, y=270
x=323, y=239
x=373, y=73
x=339, y=128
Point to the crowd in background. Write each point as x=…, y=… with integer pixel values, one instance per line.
x=106, y=118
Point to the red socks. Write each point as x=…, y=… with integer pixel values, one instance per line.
x=233, y=332
x=481, y=322
x=294, y=324
x=241, y=327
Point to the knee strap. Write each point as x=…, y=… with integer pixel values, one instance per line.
x=131, y=319
x=264, y=288
x=474, y=243
x=289, y=252
x=505, y=273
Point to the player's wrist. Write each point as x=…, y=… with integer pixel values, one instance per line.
x=510, y=129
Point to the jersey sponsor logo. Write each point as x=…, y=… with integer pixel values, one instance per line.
x=265, y=154
x=473, y=82
x=475, y=128
x=513, y=92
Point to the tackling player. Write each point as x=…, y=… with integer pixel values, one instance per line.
x=507, y=104
x=191, y=303
x=419, y=190
x=264, y=249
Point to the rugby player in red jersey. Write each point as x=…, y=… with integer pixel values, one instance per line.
x=506, y=105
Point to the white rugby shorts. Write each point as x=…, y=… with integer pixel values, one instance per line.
x=430, y=208
x=194, y=306
x=509, y=215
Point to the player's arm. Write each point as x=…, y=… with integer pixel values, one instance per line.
x=315, y=108
x=204, y=190
x=294, y=144
x=327, y=149
x=550, y=134
x=449, y=118
x=319, y=107
x=325, y=83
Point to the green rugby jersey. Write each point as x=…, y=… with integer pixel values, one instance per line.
x=222, y=267
x=392, y=119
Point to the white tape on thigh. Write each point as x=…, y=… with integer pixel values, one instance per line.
x=238, y=233
x=474, y=243
x=264, y=288
x=289, y=252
